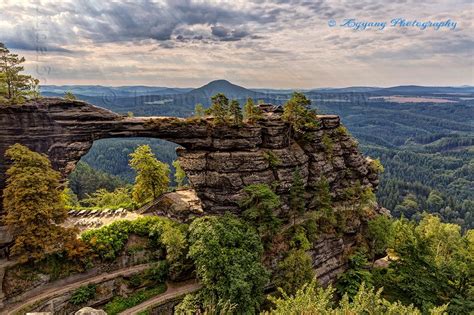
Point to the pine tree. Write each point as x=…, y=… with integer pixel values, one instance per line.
x=199, y=110
x=252, y=113
x=235, y=112
x=152, y=178
x=219, y=108
x=298, y=113
x=260, y=203
x=297, y=198
x=34, y=205
x=15, y=87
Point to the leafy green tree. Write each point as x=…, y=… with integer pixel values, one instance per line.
x=294, y=271
x=199, y=111
x=442, y=260
x=227, y=254
x=260, y=204
x=69, y=198
x=15, y=87
x=297, y=195
x=252, y=112
x=311, y=299
x=179, y=174
x=298, y=113
x=235, y=113
x=435, y=201
x=152, y=178
x=69, y=96
x=357, y=274
x=219, y=108
x=380, y=235
x=34, y=206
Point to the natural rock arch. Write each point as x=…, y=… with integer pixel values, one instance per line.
x=218, y=160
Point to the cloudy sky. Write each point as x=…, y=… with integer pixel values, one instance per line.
x=254, y=43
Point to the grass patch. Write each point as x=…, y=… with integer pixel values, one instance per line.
x=120, y=304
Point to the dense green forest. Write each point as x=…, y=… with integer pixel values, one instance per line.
x=427, y=151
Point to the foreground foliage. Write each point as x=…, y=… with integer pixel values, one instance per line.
x=227, y=253
x=441, y=258
x=313, y=300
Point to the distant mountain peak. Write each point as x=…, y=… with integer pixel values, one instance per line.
x=223, y=86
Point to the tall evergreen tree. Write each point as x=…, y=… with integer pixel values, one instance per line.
x=34, y=205
x=298, y=113
x=235, y=113
x=297, y=191
x=152, y=177
x=251, y=111
x=219, y=108
x=14, y=86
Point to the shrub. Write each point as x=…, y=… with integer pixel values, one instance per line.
x=108, y=241
x=376, y=166
x=350, y=281
x=119, y=303
x=83, y=294
x=158, y=273
x=294, y=271
x=272, y=159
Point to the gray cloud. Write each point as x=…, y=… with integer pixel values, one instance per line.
x=288, y=39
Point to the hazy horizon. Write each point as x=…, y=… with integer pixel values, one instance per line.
x=259, y=44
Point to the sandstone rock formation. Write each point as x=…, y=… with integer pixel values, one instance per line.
x=218, y=160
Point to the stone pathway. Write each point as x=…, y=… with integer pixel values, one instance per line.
x=59, y=287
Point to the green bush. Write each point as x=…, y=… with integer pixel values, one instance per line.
x=108, y=241
x=272, y=159
x=158, y=273
x=83, y=294
x=119, y=303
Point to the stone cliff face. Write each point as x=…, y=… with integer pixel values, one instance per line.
x=218, y=160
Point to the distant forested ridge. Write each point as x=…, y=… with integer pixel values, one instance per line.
x=427, y=148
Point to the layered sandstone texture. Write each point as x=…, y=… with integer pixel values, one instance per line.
x=219, y=160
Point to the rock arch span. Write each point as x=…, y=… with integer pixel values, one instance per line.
x=219, y=160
